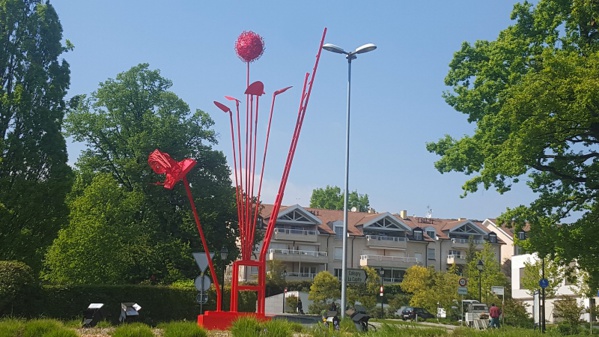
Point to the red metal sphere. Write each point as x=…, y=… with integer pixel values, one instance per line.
x=249, y=46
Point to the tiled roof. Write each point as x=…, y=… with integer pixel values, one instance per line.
x=356, y=220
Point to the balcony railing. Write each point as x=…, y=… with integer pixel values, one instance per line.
x=300, y=275
x=286, y=234
x=291, y=255
x=387, y=242
x=388, y=261
x=466, y=241
x=294, y=231
x=385, y=238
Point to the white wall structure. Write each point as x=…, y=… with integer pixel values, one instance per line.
x=523, y=295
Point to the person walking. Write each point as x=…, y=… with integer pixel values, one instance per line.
x=300, y=306
x=494, y=312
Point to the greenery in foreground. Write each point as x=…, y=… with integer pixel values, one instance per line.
x=250, y=326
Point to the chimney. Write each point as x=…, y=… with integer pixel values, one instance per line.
x=403, y=214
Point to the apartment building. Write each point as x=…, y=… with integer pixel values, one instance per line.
x=307, y=241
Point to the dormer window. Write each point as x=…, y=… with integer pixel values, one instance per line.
x=418, y=234
x=431, y=233
x=492, y=237
x=521, y=236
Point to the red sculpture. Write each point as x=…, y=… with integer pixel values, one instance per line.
x=249, y=47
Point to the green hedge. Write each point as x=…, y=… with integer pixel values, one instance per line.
x=158, y=303
x=16, y=283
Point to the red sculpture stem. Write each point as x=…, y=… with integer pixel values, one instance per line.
x=239, y=187
x=272, y=108
x=206, y=250
x=252, y=222
x=301, y=114
x=237, y=199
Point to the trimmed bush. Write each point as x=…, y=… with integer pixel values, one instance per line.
x=133, y=330
x=16, y=282
x=182, y=329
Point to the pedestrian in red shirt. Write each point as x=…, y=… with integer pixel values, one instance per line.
x=494, y=312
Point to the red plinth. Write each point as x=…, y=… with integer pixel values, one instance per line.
x=222, y=320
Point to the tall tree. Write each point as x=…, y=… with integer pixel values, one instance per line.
x=331, y=197
x=34, y=175
x=533, y=94
x=122, y=123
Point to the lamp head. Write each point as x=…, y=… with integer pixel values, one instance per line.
x=223, y=253
x=480, y=265
x=333, y=48
x=365, y=48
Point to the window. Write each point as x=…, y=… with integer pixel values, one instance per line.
x=430, y=253
x=338, y=231
x=431, y=233
x=308, y=271
x=521, y=236
x=492, y=237
x=338, y=254
x=337, y=272
x=418, y=234
x=418, y=257
x=522, y=271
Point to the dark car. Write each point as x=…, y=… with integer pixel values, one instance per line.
x=413, y=312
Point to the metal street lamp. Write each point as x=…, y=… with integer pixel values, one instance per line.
x=224, y=252
x=285, y=290
x=480, y=266
x=382, y=274
x=349, y=56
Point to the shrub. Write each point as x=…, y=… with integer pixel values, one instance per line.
x=11, y=327
x=182, y=329
x=41, y=327
x=277, y=328
x=133, y=330
x=16, y=281
x=246, y=326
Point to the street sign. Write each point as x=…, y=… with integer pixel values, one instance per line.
x=201, y=260
x=497, y=290
x=355, y=275
x=202, y=283
x=544, y=283
x=202, y=298
x=462, y=282
x=462, y=291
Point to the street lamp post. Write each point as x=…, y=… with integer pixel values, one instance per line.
x=224, y=252
x=349, y=56
x=480, y=266
x=382, y=274
x=285, y=289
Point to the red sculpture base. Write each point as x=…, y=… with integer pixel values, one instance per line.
x=222, y=320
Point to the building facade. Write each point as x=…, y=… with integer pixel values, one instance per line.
x=307, y=241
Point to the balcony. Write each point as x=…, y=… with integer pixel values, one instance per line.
x=389, y=242
x=464, y=243
x=295, y=235
x=457, y=259
x=290, y=255
x=295, y=276
x=388, y=261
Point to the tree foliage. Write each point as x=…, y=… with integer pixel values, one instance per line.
x=34, y=175
x=331, y=197
x=533, y=94
x=490, y=275
x=119, y=214
x=325, y=289
x=366, y=293
x=533, y=272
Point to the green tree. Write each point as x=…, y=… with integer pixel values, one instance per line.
x=325, y=289
x=533, y=95
x=533, y=274
x=431, y=288
x=490, y=275
x=331, y=197
x=121, y=124
x=34, y=175
x=366, y=293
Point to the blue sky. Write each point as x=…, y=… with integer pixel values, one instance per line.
x=396, y=104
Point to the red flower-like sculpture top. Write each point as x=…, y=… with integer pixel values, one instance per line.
x=162, y=163
x=249, y=46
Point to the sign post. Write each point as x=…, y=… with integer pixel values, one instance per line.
x=356, y=275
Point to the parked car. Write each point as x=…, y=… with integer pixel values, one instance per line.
x=414, y=312
x=399, y=312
